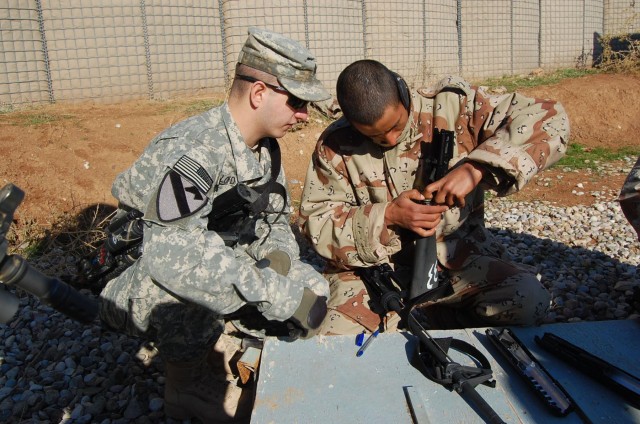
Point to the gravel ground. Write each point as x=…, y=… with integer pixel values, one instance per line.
x=55, y=370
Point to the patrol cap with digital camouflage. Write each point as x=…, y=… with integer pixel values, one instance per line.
x=293, y=65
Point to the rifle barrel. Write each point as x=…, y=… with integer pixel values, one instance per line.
x=15, y=270
x=467, y=390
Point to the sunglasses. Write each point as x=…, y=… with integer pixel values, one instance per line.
x=295, y=102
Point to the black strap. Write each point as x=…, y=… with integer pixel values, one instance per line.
x=271, y=186
x=242, y=200
x=178, y=191
x=435, y=371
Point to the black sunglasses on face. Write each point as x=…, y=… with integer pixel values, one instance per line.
x=293, y=101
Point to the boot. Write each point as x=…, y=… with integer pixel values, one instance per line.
x=193, y=391
x=223, y=356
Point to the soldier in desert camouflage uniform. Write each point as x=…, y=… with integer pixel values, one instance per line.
x=630, y=198
x=189, y=278
x=358, y=194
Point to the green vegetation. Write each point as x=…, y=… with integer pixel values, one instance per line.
x=26, y=239
x=39, y=119
x=35, y=119
x=200, y=106
x=6, y=108
x=580, y=157
x=193, y=107
x=514, y=83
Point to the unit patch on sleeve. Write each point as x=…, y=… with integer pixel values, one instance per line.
x=183, y=190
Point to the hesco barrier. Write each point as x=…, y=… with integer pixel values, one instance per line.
x=117, y=50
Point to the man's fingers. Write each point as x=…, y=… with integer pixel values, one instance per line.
x=407, y=212
x=423, y=232
x=428, y=218
x=411, y=194
x=452, y=199
x=426, y=224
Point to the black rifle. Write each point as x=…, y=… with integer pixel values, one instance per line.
x=623, y=383
x=431, y=356
x=121, y=247
x=433, y=166
x=229, y=208
x=15, y=270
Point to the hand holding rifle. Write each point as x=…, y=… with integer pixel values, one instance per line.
x=409, y=211
x=454, y=186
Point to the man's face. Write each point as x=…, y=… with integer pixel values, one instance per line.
x=281, y=115
x=277, y=109
x=386, y=130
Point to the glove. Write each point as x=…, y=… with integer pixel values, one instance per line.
x=312, y=308
x=277, y=260
x=310, y=313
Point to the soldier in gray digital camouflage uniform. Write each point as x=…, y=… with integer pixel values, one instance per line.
x=358, y=194
x=197, y=268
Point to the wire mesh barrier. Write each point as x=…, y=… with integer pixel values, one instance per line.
x=112, y=51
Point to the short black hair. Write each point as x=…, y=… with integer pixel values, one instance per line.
x=365, y=89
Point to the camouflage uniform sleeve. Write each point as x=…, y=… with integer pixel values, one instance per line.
x=186, y=259
x=128, y=187
x=519, y=137
x=194, y=264
x=345, y=231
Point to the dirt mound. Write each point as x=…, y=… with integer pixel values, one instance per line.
x=65, y=157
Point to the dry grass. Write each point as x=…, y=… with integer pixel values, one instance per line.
x=57, y=249
x=621, y=50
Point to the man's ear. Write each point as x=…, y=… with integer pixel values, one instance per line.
x=256, y=93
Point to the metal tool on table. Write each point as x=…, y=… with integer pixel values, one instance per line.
x=528, y=367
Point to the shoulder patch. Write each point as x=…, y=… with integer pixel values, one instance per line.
x=183, y=190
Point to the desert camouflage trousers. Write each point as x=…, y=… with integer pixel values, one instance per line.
x=487, y=291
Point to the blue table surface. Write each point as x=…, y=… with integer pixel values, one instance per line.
x=321, y=380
